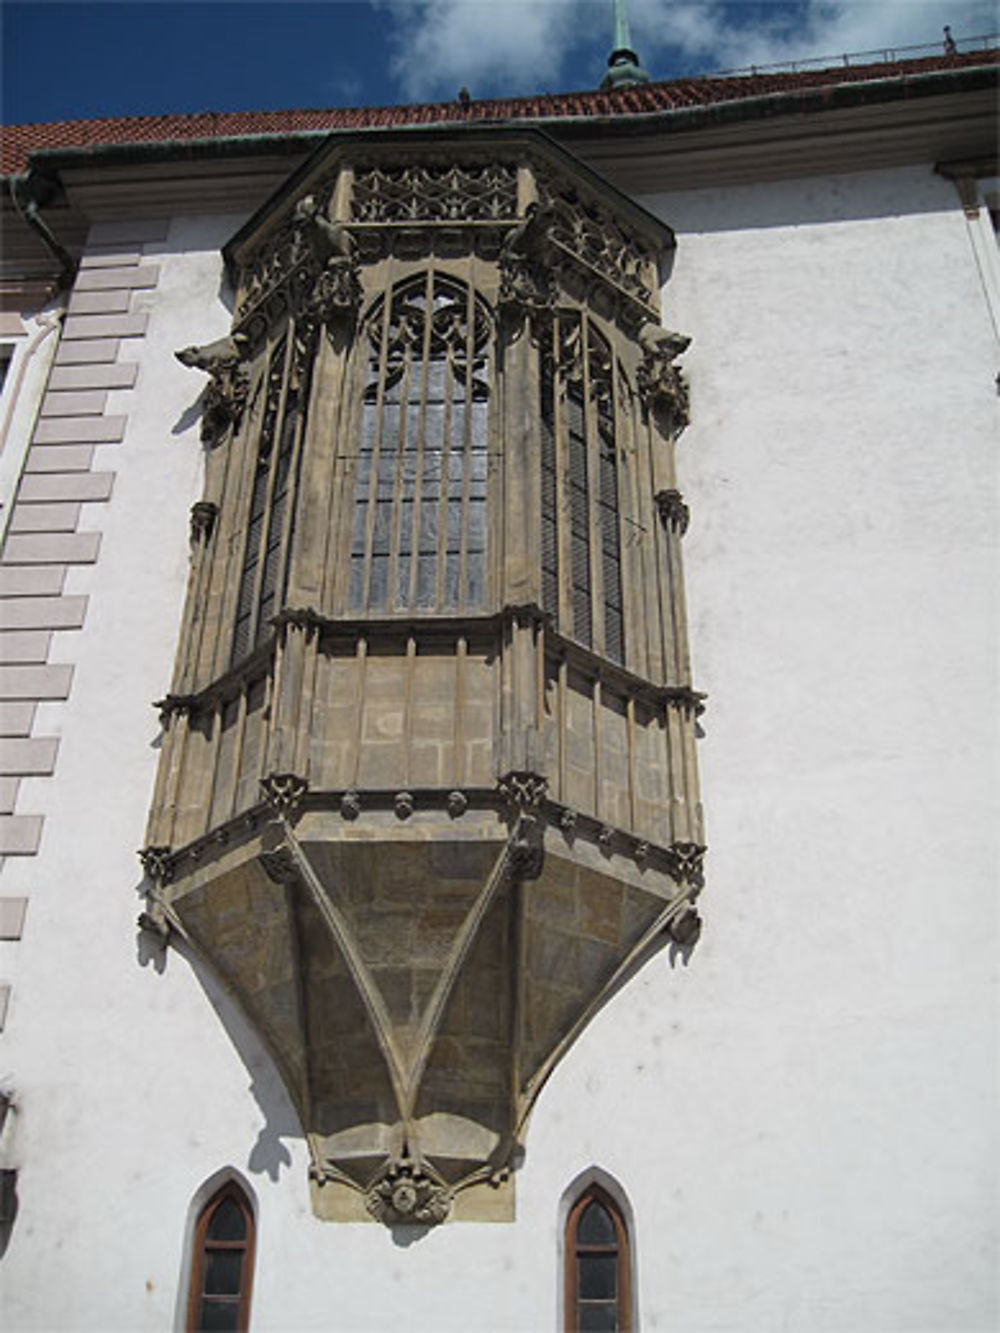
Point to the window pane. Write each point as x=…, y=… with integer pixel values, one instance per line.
x=597, y=1274
x=219, y=1317
x=222, y=1272
x=602, y=1318
x=228, y=1222
x=596, y=1226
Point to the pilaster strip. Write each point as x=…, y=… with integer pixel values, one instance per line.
x=95, y=363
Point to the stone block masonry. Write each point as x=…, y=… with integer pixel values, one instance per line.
x=96, y=355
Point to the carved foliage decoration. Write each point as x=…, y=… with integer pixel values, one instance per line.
x=426, y=192
x=405, y=1193
x=661, y=383
x=307, y=268
x=226, y=395
x=588, y=231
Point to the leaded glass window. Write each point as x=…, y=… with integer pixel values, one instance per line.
x=581, y=544
x=598, y=1296
x=419, y=519
x=222, y=1265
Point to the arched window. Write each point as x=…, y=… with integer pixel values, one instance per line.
x=419, y=521
x=598, y=1287
x=222, y=1264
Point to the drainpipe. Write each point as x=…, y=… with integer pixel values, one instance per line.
x=30, y=193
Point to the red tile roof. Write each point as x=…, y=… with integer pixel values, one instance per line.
x=20, y=141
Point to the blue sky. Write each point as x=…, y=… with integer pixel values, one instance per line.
x=126, y=57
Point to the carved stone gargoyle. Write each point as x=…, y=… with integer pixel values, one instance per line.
x=661, y=383
x=226, y=395
x=526, y=261
x=333, y=289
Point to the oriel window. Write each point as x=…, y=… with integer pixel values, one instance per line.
x=419, y=518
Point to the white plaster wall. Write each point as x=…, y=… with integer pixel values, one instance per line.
x=803, y=1115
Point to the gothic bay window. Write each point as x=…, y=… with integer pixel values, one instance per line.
x=579, y=413
x=419, y=522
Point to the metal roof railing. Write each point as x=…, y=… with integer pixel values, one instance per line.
x=889, y=55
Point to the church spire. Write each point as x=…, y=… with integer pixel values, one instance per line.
x=624, y=70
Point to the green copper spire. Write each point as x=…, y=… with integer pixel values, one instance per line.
x=624, y=70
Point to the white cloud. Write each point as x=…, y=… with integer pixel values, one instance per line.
x=525, y=45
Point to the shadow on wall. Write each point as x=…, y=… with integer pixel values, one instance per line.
x=268, y=1154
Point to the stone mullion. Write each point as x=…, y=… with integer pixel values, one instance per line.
x=215, y=644
x=311, y=481
x=564, y=498
x=623, y=477
x=361, y=660
x=596, y=708
x=521, y=584
x=595, y=537
x=303, y=733
x=408, y=683
x=676, y=802
x=282, y=578
x=418, y=466
x=648, y=563
x=466, y=446
x=563, y=726
x=379, y=442
x=272, y=463
x=238, y=745
x=461, y=653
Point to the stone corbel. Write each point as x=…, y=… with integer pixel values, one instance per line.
x=524, y=794
x=229, y=386
x=674, y=513
x=203, y=516
x=157, y=862
x=660, y=382
x=284, y=793
x=687, y=860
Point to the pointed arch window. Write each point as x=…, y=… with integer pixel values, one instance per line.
x=598, y=1297
x=222, y=1264
x=419, y=521
x=581, y=415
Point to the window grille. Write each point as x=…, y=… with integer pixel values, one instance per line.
x=419, y=522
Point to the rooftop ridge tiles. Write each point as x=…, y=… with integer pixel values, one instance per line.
x=21, y=141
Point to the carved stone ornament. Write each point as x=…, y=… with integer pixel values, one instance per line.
x=308, y=267
x=687, y=863
x=661, y=384
x=157, y=863
x=567, y=821
x=523, y=791
x=203, y=516
x=226, y=395
x=404, y=804
x=674, y=513
x=685, y=928
x=279, y=866
x=526, y=263
x=350, y=805
x=457, y=804
x=284, y=793
x=406, y=1194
